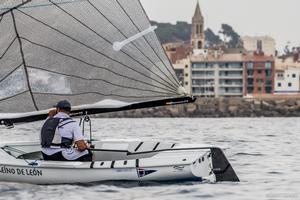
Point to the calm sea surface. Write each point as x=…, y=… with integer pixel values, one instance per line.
x=264, y=152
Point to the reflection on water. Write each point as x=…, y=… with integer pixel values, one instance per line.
x=264, y=152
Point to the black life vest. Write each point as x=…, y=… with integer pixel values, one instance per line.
x=48, y=133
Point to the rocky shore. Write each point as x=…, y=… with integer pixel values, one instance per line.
x=221, y=107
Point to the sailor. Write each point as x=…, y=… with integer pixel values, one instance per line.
x=62, y=138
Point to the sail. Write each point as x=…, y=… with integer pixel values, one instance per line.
x=101, y=54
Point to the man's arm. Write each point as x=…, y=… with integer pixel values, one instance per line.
x=78, y=138
x=52, y=112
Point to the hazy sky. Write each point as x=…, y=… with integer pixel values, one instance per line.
x=277, y=18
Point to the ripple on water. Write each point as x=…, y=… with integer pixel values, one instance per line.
x=266, y=171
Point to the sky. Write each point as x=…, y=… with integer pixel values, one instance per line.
x=279, y=19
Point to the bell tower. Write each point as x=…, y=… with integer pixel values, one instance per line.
x=198, y=37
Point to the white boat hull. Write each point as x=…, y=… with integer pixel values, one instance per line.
x=117, y=161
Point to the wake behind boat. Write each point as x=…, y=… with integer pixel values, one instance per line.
x=103, y=56
x=116, y=161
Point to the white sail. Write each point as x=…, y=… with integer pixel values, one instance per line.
x=63, y=49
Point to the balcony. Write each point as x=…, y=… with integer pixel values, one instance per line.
x=231, y=69
x=231, y=85
x=231, y=77
x=203, y=86
x=203, y=77
x=203, y=69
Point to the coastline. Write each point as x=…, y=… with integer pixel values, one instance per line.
x=218, y=108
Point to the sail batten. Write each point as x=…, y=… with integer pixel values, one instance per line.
x=52, y=50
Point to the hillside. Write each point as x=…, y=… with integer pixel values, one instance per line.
x=181, y=31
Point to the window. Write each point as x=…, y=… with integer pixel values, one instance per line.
x=294, y=75
x=197, y=29
x=250, y=65
x=268, y=73
x=186, y=66
x=279, y=75
x=259, y=71
x=279, y=84
x=269, y=90
x=186, y=75
x=269, y=82
x=259, y=81
x=186, y=83
x=199, y=45
x=259, y=45
x=250, y=81
x=250, y=72
x=268, y=65
x=259, y=89
x=290, y=84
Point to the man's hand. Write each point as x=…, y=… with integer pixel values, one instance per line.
x=52, y=112
x=81, y=145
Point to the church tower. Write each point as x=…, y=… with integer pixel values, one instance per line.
x=198, y=38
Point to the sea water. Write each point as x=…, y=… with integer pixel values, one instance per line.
x=264, y=152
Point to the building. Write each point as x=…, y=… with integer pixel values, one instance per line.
x=287, y=75
x=177, y=51
x=198, y=36
x=259, y=74
x=217, y=75
x=287, y=81
x=181, y=50
x=235, y=72
x=263, y=44
x=183, y=72
x=285, y=62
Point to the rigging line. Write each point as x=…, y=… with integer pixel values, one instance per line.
x=77, y=41
x=10, y=97
x=87, y=79
x=106, y=40
x=176, y=81
x=131, y=43
x=98, y=93
x=95, y=66
x=15, y=69
x=15, y=7
x=164, y=52
x=23, y=59
x=6, y=50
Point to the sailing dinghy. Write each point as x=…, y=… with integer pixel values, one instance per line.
x=103, y=56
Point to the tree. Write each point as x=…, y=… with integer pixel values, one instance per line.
x=212, y=39
x=231, y=38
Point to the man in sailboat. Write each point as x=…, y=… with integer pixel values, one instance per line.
x=59, y=135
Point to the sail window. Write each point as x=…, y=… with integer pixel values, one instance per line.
x=13, y=84
x=46, y=82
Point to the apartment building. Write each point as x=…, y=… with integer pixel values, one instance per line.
x=287, y=81
x=259, y=74
x=217, y=75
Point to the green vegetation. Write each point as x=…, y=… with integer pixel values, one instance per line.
x=181, y=31
x=167, y=32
